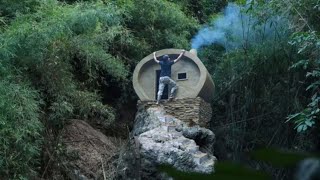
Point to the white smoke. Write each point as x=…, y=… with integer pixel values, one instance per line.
x=234, y=29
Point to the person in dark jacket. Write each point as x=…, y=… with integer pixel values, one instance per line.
x=165, y=75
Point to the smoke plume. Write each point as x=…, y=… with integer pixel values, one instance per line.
x=234, y=29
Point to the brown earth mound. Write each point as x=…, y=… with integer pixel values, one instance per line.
x=90, y=154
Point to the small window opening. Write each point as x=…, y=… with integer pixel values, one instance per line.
x=182, y=76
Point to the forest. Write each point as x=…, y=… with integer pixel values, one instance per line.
x=74, y=59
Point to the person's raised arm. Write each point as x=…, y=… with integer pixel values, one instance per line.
x=181, y=54
x=155, y=58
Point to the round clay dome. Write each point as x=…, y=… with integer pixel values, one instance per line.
x=189, y=73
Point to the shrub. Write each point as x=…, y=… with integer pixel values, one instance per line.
x=159, y=24
x=20, y=130
x=63, y=50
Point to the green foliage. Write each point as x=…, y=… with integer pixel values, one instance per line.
x=10, y=8
x=302, y=13
x=256, y=89
x=63, y=50
x=308, y=44
x=76, y=53
x=90, y=107
x=281, y=158
x=229, y=171
x=159, y=24
x=20, y=130
x=223, y=171
x=201, y=9
x=70, y=51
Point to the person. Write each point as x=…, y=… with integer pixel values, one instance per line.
x=165, y=74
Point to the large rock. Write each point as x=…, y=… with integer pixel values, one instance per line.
x=158, y=138
x=89, y=152
x=189, y=110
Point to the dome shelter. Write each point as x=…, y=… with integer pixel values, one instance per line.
x=190, y=74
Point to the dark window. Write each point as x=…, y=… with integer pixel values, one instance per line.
x=182, y=76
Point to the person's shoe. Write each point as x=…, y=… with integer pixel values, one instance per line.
x=170, y=99
x=157, y=103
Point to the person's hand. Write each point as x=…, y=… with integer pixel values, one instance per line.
x=154, y=53
x=183, y=51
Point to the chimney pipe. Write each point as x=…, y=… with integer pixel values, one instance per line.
x=193, y=51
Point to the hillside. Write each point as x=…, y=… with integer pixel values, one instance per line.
x=67, y=60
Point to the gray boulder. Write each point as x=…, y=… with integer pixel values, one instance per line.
x=157, y=139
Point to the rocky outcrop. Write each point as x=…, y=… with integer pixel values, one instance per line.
x=189, y=110
x=89, y=153
x=159, y=138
